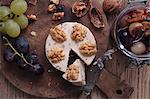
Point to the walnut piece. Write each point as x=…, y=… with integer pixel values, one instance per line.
x=73, y=72
x=32, y=17
x=51, y=8
x=56, y=55
x=58, y=16
x=58, y=34
x=88, y=49
x=78, y=33
x=81, y=7
x=54, y=2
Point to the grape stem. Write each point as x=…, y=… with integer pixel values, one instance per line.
x=16, y=52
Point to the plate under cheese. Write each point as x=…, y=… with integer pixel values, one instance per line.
x=81, y=78
x=69, y=45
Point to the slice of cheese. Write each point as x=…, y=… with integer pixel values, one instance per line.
x=75, y=46
x=68, y=45
x=81, y=78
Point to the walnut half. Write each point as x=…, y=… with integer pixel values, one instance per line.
x=81, y=7
x=78, y=33
x=88, y=49
x=73, y=72
x=56, y=55
x=58, y=34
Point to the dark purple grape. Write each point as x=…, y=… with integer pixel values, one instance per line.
x=22, y=45
x=60, y=8
x=9, y=55
x=20, y=62
x=38, y=69
x=35, y=69
x=32, y=58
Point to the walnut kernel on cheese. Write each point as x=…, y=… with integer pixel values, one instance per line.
x=56, y=55
x=58, y=34
x=88, y=49
x=78, y=33
x=73, y=72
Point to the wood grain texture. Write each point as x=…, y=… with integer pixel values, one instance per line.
x=50, y=84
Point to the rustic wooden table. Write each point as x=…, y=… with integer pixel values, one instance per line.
x=138, y=78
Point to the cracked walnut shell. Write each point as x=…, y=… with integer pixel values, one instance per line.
x=58, y=34
x=56, y=55
x=78, y=33
x=88, y=49
x=73, y=72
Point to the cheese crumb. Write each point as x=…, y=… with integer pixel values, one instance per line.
x=33, y=33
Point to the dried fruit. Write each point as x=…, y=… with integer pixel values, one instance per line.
x=146, y=25
x=136, y=29
x=52, y=8
x=138, y=48
x=56, y=2
x=58, y=16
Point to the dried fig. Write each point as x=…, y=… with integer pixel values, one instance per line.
x=96, y=18
x=81, y=7
x=146, y=25
x=135, y=29
x=123, y=21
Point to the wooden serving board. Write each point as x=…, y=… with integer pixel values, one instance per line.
x=50, y=84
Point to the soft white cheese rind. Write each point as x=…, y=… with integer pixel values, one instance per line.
x=68, y=45
x=81, y=78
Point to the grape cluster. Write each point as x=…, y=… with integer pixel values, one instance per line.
x=18, y=52
x=12, y=19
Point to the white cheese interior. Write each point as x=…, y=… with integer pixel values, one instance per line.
x=81, y=78
x=68, y=45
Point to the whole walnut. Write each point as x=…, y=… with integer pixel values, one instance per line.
x=112, y=5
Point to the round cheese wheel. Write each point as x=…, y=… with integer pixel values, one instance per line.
x=69, y=45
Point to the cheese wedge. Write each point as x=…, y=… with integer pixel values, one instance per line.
x=81, y=76
x=68, y=45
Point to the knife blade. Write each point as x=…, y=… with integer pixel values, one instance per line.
x=95, y=70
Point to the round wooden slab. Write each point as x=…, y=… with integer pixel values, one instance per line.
x=50, y=84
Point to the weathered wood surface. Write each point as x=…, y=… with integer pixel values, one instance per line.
x=138, y=78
